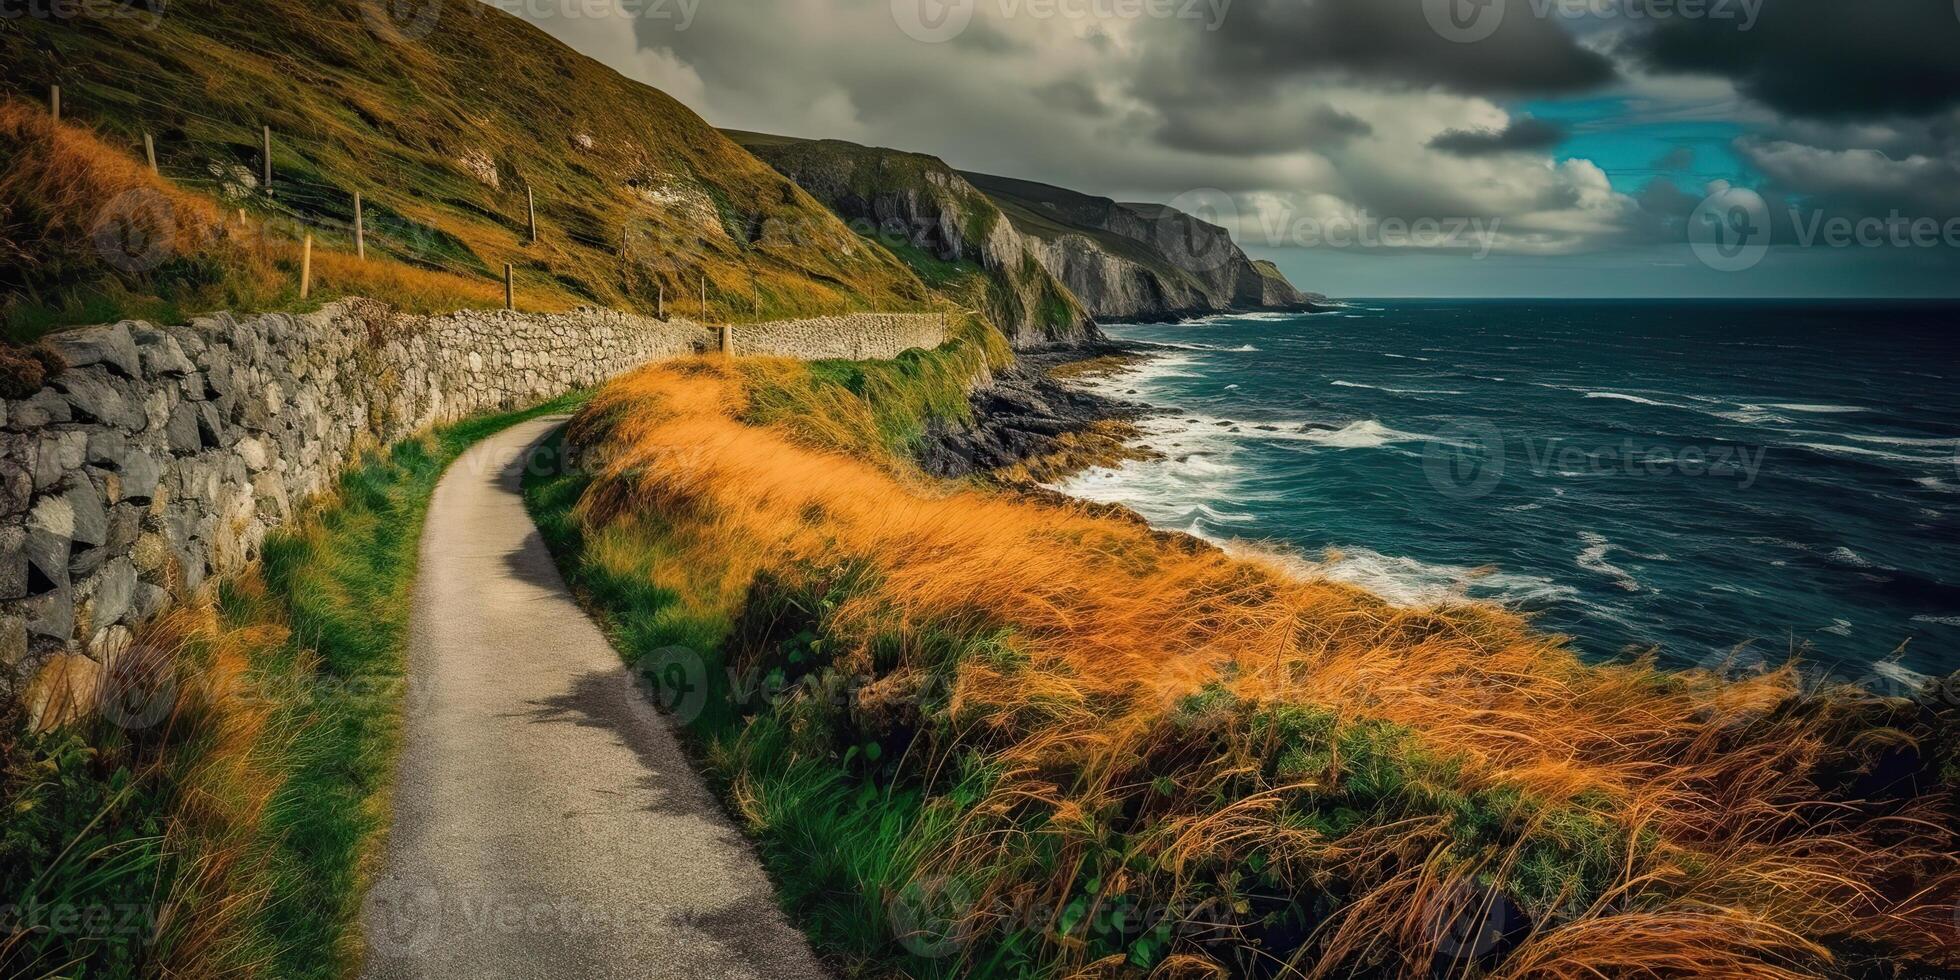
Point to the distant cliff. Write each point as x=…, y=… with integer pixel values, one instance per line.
x=953, y=235
x=1139, y=261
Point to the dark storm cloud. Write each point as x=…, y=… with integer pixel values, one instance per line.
x=1823, y=59
x=1523, y=135
x=1390, y=42
x=1074, y=95
x=1208, y=130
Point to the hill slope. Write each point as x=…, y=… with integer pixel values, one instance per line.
x=925, y=211
x=442, y=123
x=1139, y=261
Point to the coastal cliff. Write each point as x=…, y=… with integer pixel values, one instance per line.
x=929, y=215
x=1139, y=261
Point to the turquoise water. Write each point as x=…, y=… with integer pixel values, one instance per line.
x=1724, y=483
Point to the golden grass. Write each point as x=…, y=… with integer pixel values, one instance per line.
x=1739, y=853
x=80, y=219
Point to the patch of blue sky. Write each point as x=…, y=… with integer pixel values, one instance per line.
x=1630, y=139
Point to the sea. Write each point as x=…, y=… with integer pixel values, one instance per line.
x=1721, y=484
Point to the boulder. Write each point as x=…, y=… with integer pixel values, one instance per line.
x=90, y=392
x=111, y=345
x=16, y=479
x=52, y=614
x=106, y=447
x=50, y=537
x=91, y=520
x=162, y=355
x=181, y=432
x=140, y=474
x=13, y=641
x=62, y=691
x=45, y=407
x=13, y=561
x=115, y=593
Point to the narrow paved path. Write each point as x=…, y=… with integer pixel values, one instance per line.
x=546, y=823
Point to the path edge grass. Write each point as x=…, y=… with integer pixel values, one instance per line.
x=246, y=823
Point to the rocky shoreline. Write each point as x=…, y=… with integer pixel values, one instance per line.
x=1028, y=426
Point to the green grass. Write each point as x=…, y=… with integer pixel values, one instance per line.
x=342, y=581
x=894, y=401
x=414, y=124
x=92, y=808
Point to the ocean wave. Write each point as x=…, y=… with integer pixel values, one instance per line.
x=1411, y=583
x=1182, y=345
x=1636, y=399
x=1593, y=559
x=1946, y=443
x=1395, y=391
x=1819, y=409
x=1839, y=449
x=1938, y=620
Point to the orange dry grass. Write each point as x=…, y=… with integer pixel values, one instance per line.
x=80, y=218
x=1741, y=867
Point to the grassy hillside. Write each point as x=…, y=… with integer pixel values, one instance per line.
x=442, y=132
x=925, y=211
x=982, y=735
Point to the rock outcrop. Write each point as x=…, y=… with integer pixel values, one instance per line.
x=1139, y=261
x=953, y=235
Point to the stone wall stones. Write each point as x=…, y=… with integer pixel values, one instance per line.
x=857, y=336
x=162, y=456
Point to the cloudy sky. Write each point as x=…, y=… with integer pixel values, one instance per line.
x=1391, y=147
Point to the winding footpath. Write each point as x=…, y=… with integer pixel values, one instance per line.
x=546, y=823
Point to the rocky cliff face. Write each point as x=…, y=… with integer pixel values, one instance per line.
x=952, y=234
x=1139, y=261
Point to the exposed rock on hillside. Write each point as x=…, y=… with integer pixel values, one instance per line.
x=1139, y=261
x=954, y=236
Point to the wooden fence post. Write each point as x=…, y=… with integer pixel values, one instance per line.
x=54, y=102
x=510, y=292
x=704, y=296
x=662, y=308
x=265, y=152
x=727, y=337
x=306, y=266
x=360, y=229
x=531, y=209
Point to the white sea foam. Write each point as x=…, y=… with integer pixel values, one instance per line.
x=1938, y=620
x=1819, y=409
x=1843, y=450
x=1593, y=559
x=1624, y=397
x=1395, y=391
x=1181, y=345
x=1407, y=582
x=1946, y=443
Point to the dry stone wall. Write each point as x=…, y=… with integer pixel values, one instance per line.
x=857, y=337
x=163, y=454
